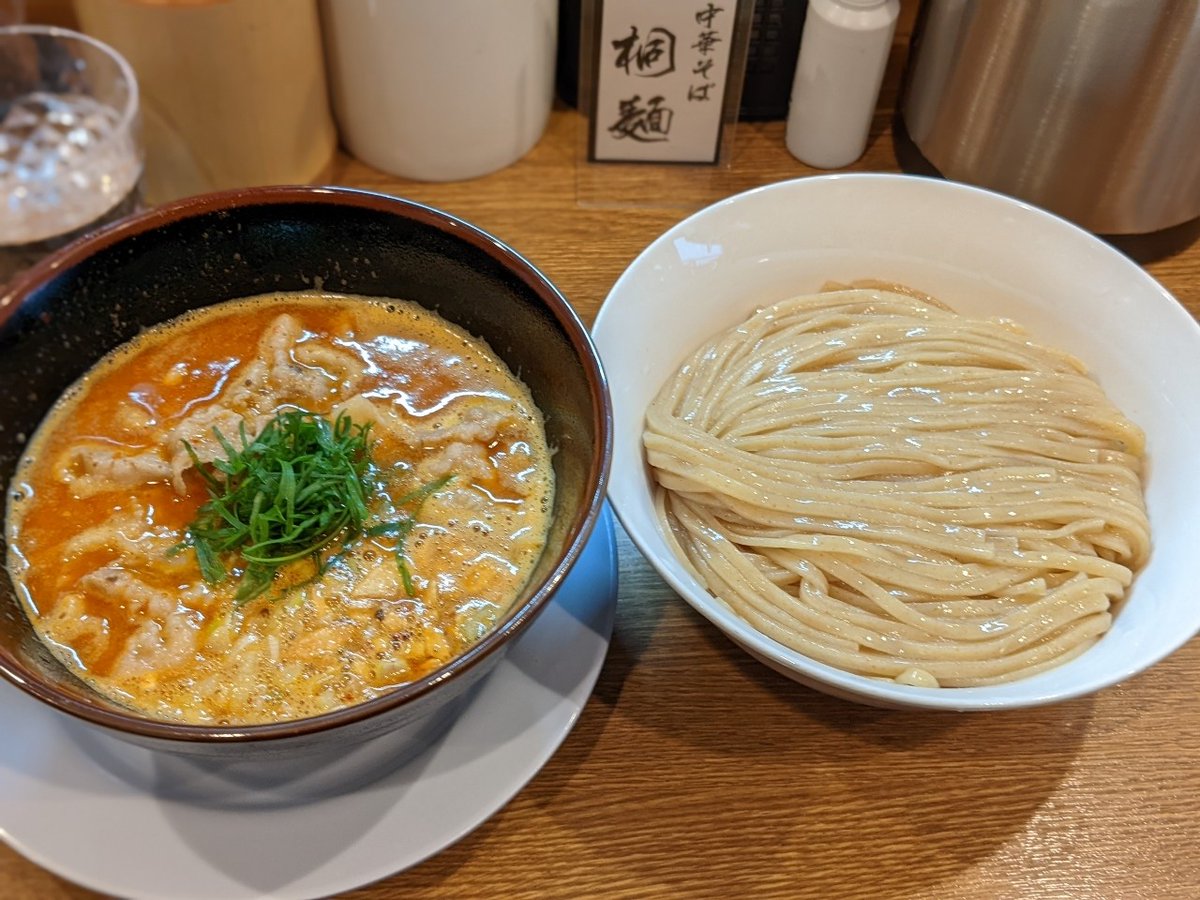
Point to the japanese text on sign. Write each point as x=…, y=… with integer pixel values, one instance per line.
x=660, y=82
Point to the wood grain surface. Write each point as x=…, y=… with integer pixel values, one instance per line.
x=696, y=772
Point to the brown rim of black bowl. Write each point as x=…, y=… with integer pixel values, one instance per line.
x=572, y=326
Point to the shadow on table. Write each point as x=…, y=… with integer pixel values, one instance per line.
x=906, y=800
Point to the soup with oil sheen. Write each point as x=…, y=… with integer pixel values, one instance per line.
x=103, y=509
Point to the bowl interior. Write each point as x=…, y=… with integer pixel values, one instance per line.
x=68, y=314
x=984, y=255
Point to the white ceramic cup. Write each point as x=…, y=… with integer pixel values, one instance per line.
x=440, y=91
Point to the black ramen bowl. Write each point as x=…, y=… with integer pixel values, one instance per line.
x=73, y=307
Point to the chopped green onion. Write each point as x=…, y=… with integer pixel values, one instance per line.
x=288, y=494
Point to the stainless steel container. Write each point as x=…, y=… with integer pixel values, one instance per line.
x=1089, y=108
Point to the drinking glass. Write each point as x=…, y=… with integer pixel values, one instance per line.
x=70, y=155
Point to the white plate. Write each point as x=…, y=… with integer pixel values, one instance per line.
x=65, y=812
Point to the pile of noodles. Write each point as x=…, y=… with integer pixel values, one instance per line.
x=902, y=492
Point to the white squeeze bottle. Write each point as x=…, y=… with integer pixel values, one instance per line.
x=843, y=52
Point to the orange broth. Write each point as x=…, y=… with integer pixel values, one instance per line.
x=91, y=553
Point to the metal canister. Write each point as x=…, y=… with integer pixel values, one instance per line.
x=1089, y=108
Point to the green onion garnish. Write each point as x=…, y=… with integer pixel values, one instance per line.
x=288, y=494
x=283, y=496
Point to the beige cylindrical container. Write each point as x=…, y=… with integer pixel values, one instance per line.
x=441, y=90
x=233, y=91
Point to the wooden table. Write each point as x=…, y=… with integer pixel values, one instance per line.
x=696, y=772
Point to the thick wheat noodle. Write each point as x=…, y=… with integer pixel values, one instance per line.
x=890, y=488
x=875, y=503
x=900, y=616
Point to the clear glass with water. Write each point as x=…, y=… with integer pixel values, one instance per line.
x=70, y=154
